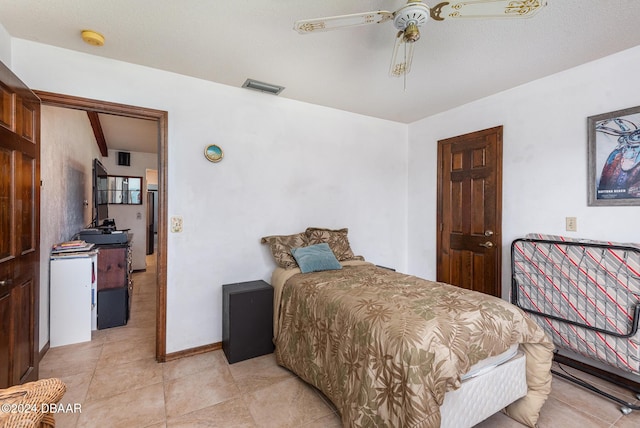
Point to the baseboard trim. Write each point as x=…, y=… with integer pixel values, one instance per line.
x=192, y=351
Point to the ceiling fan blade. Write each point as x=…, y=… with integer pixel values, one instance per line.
x=306, y=26
x=401, y=57
x=486, y=9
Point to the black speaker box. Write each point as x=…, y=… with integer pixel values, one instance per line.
x=247, y=320
x=112, y=307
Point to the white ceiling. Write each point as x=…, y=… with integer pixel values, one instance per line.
x=128, y=134
x=228, y=41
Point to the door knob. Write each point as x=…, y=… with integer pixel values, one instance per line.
x=488, y=233
x=487, y=244
x=6, y=282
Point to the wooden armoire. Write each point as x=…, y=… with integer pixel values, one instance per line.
x=19, y=230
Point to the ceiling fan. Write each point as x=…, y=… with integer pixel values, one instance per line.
x=410, y=17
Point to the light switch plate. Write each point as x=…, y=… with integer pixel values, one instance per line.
x=572, y=224
x=176, y=224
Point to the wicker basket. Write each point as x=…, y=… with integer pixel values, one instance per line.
x=22, y=406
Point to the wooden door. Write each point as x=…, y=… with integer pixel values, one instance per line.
x=19, y=230
x=469, y=211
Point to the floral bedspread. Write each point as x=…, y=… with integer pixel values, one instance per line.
x=385, y=347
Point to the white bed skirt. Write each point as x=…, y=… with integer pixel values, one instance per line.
x=485, y=394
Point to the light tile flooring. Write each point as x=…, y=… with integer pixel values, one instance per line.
x=118, y=383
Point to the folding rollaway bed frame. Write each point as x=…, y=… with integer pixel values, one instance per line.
x=586, y=295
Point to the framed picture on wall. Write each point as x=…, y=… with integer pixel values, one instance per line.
x=614, y=158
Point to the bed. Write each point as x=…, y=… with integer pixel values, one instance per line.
x=386, y=348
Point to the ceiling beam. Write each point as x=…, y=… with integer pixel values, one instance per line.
x=97, y=131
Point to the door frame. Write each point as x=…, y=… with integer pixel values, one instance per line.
x=161, y=117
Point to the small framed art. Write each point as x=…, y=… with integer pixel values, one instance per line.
x=213, y=153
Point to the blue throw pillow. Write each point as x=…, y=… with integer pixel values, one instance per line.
x=315, y=258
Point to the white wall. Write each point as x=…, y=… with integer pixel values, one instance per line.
x=66, y=165
x=287, y=165
x=545, y=158
x=5, y=47
x=132, y=217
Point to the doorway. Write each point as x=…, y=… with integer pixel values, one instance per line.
x=469, y=216
x=161, y=118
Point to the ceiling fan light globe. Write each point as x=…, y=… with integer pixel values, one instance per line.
x=402, y=57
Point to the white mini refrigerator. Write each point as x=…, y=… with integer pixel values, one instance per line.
x=73, y=297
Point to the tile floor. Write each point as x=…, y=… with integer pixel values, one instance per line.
x=118, y=383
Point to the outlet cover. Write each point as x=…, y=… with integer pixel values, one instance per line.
x=176, y=224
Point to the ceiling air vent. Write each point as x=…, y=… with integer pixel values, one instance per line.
x=124, y=158
x=262, y=87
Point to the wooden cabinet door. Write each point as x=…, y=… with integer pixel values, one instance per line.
x=469, y=211
x=112, y=267
x=23, y=357
x=5, y=340
x=19, y=230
